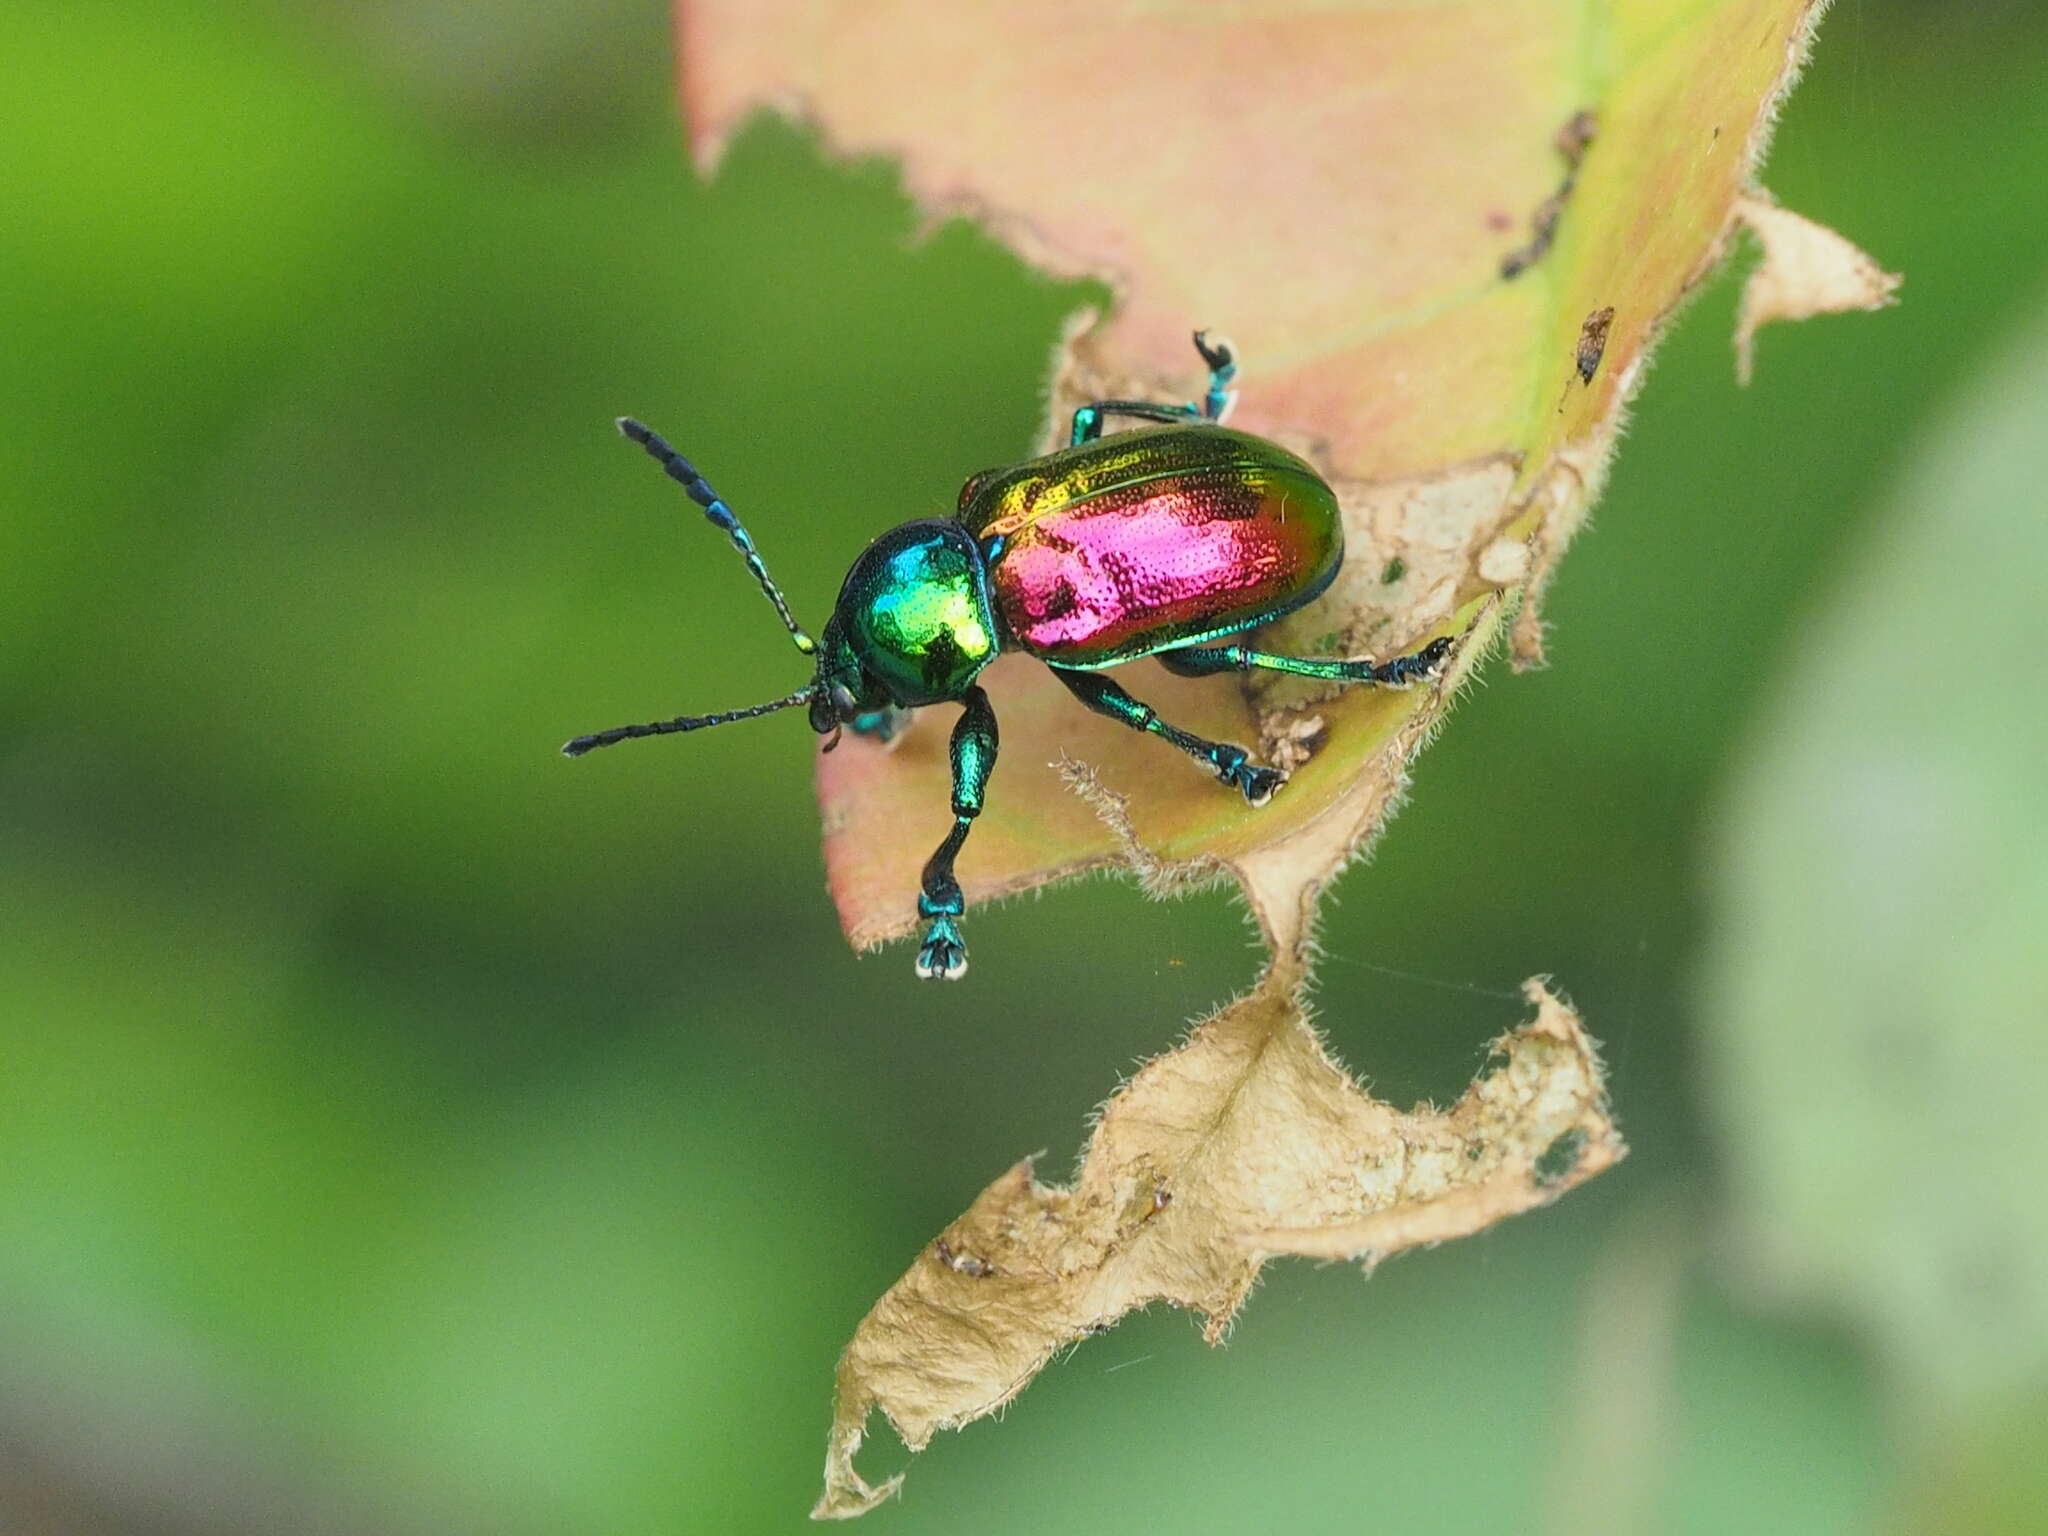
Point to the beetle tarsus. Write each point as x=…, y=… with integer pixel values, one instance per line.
x=1234, y=766
x=1222, y=360
x=1260, y=784
x=943, y=955
x=1404, y=671
x=1217, y=354
x=1432, y=656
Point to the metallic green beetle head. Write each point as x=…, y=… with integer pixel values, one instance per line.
x=915, y=622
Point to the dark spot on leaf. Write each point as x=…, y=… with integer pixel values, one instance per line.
x=1575, y=135
x=1593, y=342
x=1562, y=1156
x=1396, y=569
x=1572, y=140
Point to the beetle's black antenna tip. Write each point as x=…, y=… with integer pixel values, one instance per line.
x=579, y=746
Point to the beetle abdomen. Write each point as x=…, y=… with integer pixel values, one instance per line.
x=1149, y=540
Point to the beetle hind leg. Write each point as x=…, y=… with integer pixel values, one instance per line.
x=1206, y=660
x=943, y=954
x=1231, y=764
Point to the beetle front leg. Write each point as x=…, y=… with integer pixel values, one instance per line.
x=1232, y=765
x=1205, y=660
x=883, y=725
x=943, y=954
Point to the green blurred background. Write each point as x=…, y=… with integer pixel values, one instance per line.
x=402, y=1130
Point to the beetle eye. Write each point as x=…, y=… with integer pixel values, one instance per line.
x=843, y=700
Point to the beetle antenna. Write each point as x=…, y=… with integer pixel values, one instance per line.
x=684, y=473
x=583, y=744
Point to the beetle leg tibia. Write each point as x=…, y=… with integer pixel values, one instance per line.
x=943, y=955
x=1203, y=660
x=1232, y=765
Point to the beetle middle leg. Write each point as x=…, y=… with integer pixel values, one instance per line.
x=943, y=956
x=1206, y=660
x=1088, y=419
x=1232, y=765
x=1222, y=361
x=1214, y=403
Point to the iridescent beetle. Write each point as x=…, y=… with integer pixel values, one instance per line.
x=1161, y=541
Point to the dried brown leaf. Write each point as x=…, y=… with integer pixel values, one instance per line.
x=1807, y=270
x=1244, y=1143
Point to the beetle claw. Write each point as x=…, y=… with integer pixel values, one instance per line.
x=943, y=955
x=1217, y=352
x=1260, y=784
x=1235, y=767
x=941, y=960
x=1432, y=655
